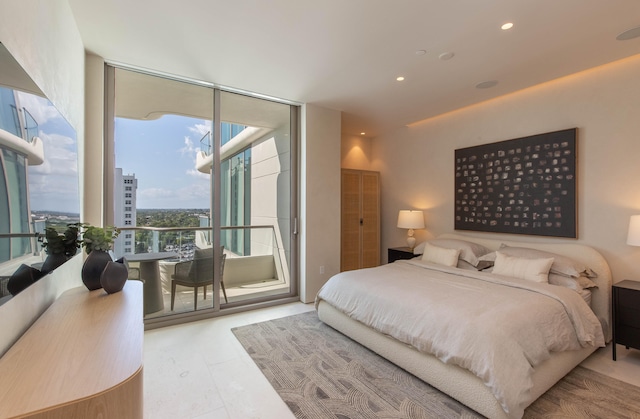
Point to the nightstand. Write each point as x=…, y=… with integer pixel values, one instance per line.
x=398, y=253
x=626, y=315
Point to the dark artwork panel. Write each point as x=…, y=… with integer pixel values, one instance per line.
x=522, y=186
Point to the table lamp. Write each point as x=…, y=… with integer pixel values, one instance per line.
x=410, y=219
x=633, y=236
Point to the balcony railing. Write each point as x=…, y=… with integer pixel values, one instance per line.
x=205, y=143
x=30, y=126
x=239, y=240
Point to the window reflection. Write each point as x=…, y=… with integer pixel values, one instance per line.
x=39, y=185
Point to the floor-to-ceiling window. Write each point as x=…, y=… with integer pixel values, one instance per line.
x=202, y=187
x=255, y=203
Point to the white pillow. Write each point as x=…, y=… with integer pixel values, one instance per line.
x=440, y=255
x=469, y=251
x=536, y=270
x=562, y=265
x=576, y=284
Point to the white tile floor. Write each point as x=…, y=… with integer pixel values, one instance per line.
x=199, y=370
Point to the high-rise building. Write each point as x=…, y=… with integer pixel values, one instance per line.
x=124, y=193
x=20, y=147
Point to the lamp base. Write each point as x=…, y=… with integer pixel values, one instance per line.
x=411, y=241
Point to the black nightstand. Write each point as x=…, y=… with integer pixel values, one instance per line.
x=626, y=315
x=398, y=253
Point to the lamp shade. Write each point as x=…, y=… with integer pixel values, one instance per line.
x=410, y=219
x=633, y=236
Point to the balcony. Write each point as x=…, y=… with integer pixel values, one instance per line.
x=255, y=266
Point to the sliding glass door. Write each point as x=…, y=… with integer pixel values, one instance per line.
x=203, y=187
x=255, y=197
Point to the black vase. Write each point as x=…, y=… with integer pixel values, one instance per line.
x=22, y=278
x=114, y=276
x=93, y=267
x=53, y=261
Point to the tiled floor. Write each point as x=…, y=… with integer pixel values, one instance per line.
x=199, y=370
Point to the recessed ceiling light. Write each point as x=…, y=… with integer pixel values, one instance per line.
x=400, y=78
x=629, y=34
x=486, y=84
x=446, y=56
x=507, y=26
x=362, y=133
x=421, y=52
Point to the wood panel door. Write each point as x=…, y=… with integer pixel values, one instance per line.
x=360, y=219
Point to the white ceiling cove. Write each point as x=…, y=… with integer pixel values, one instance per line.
x=347, y=54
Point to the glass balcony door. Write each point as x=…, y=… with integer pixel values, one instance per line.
x=202, y=187
x=255, y=197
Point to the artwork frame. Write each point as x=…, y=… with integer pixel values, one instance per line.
x=525, y=185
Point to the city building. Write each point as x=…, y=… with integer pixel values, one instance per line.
x=124, y=201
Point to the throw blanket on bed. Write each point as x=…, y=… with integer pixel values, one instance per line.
x=497, y=327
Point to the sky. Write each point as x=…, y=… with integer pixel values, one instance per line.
x=161, y=154
x=54, y=184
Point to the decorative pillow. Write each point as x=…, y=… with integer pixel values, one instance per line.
x=482, y=265
x=562, y=265
x=465, y=265
x=576, y=284
x=586, y=283
x=536, y=270
x=440, y=255
x=469, y=251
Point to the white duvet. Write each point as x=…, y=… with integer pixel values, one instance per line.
x=496, y=327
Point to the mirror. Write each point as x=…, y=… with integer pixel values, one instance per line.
x=39, y=184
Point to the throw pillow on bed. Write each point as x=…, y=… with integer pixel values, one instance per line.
x=576, y=284
x=536, y=270
x=469, y=251
x=562, y=265
x=440, y=255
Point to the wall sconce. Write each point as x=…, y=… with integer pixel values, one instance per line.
x=410, y=219
x=633, y=236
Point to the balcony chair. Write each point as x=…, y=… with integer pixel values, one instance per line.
x=197, y=273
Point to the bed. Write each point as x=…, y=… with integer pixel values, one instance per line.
x=507, y=384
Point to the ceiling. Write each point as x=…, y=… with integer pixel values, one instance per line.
x=347, y=54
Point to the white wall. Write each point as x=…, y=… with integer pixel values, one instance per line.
x=416, y=162
x=94, y=173
x=356, y=153
x=320, y=199
x=43, y=37
x=271, y=198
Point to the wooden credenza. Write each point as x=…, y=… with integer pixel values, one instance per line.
x=81, y=359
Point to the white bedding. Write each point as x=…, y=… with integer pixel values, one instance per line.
x=453, y=314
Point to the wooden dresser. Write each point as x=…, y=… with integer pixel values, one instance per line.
x=81, y=359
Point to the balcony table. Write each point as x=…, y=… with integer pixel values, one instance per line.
x=150, y=275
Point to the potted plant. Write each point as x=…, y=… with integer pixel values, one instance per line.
x=98, y=238
x=97, y=241
x=59, y=247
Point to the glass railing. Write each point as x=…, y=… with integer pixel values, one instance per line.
x=30, y=126
x=238, y=240
x=228, y=131
x=205, y=143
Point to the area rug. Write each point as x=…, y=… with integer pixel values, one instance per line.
x=322, y=374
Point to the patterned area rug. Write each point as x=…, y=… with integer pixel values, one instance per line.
x=321, y=374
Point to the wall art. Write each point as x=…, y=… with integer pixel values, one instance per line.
x=523, y=186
